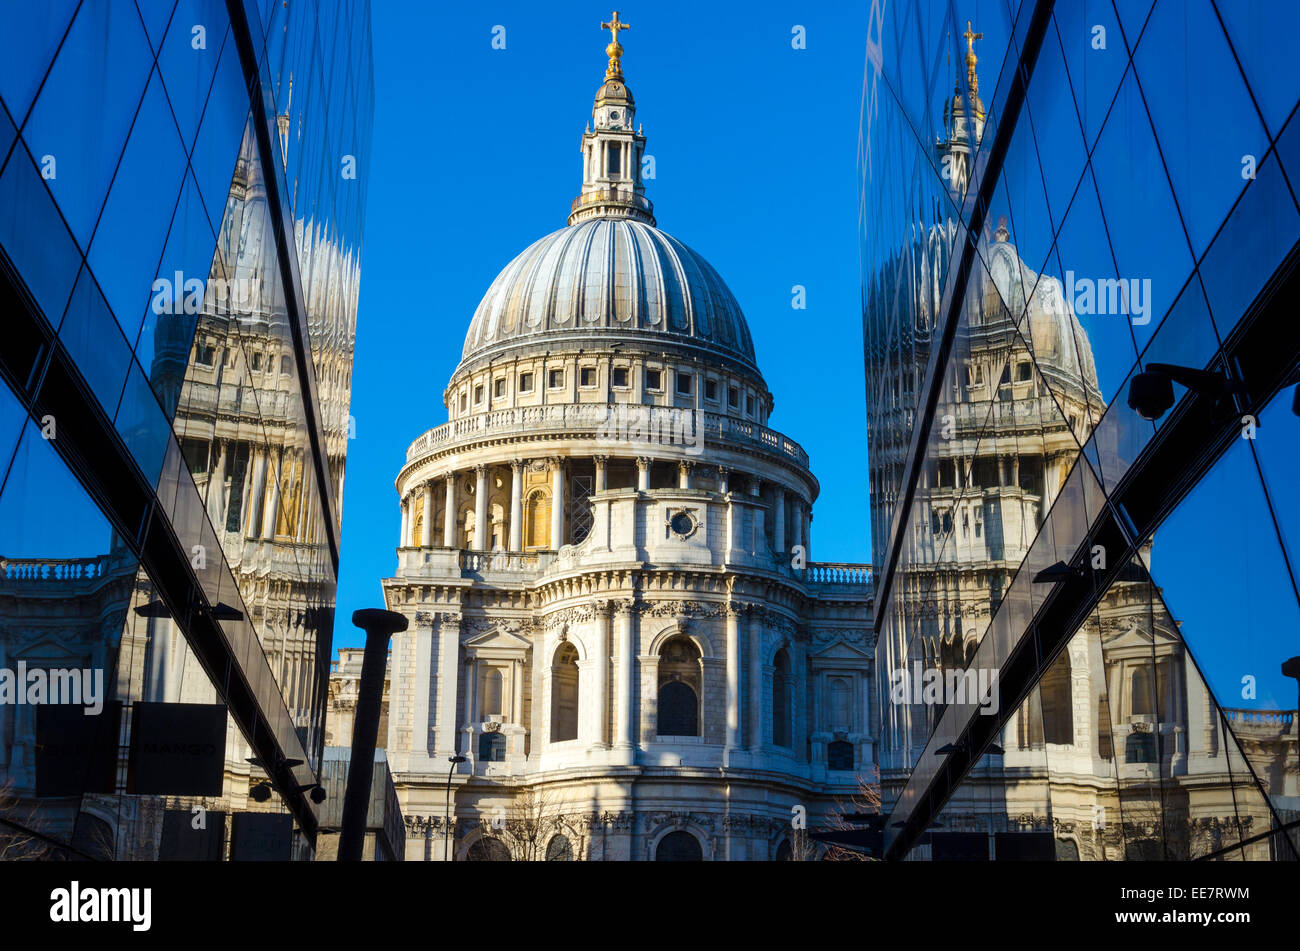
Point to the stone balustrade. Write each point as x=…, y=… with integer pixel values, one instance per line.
x=568, y=417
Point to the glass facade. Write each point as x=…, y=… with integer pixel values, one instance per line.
x=180, y=268
x=1086, y=551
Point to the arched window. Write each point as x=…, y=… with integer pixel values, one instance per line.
x=1141, y=702
x=559, y=849
x=841, y=706
x=1057, y=702
x=679, y=847
x=492, y=748
x=537, y=521
x=493, y=693
x=782, y=700
x=679, y=688
x=488, y=850
x=784, y=853
x=839, y=755
x=564, y=694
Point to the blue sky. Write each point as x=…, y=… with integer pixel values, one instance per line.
x=475, y=156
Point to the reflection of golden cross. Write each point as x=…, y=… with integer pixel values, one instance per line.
x=614, y=26
x=971, y=37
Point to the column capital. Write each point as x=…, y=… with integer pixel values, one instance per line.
x=623, y=607
x=643, y=462
x=555, y=462
x=601, y=460
x=481, y=469
x=517, y=466
x=686, y=466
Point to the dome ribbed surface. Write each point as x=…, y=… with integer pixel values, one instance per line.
x=610, y=274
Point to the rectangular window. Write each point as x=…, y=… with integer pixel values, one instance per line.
x=749, y=405
x=555, y=379
x=653, y=380
x=684, y=384
x=499, y=387
x=614, y=151
x=284, y=364
x=464, y=402
x=733, y=396
x=525, y=383
x=588, y=377
x=710, y=389
x=257, y=361
x=620, y=376
x=478, y=394
x=205, y=355
x=1023, y=372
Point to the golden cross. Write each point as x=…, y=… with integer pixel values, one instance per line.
x=971, y=37
x=614, y=26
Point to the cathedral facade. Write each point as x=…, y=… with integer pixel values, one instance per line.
x=619, y=647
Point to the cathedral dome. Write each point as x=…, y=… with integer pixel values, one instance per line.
x=610, y=278
x=1059, y=341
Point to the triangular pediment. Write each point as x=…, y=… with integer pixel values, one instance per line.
x=840, y=649
x=498, y=638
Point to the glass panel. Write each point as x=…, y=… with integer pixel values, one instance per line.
x=130, y=236
x=87, y=105
x=1136, y=203
x=47, y=265
x=31, y=35
x=95, y=343
x=195, y=39
x=1095, y=59
x=1261, y=34
x=1187, y=73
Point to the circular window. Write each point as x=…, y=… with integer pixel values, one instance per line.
x=614, y=114
x=682, y=524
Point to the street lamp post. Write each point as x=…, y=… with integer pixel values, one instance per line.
x=446, y=838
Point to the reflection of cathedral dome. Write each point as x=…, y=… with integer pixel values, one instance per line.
x=1059, y=342
x=605, y=277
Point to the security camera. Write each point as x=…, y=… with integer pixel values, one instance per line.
x=1150, y=394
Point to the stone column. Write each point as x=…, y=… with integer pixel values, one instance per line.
x=643, y=473
x=517, y=505
x=257, y=501
x=426, y=530
x=778, y=524
x=601, y=477
x=557, y=504
x=406, y=521
x=449, y=513
x=734, y=614
x=600, y=679
x=626, y=651
x=684, y=472
x=724, y=480
x=481, y=540
x=273, y=506
x=217, y=490
x=797, y=520
x=755, y=486
x=755, y=685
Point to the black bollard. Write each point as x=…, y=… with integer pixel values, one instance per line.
x=380, y=626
